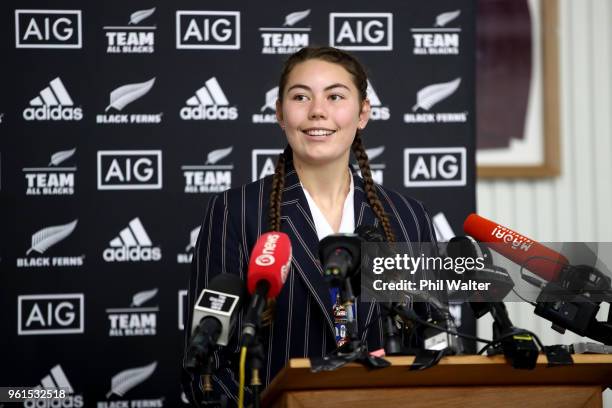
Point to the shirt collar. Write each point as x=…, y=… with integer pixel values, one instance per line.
x=347, y=224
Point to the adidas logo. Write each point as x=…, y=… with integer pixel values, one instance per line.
x=56, y=380
x=53, y=103
x=209, y=103
x=377, y=111
x=132, y=245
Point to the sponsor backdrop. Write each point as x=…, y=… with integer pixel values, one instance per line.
x=120, y=120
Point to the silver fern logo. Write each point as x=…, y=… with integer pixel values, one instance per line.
x=127, y=94
x=140, y=15
x=439, y=40
x=123, y=96
x=212, y=177
x=133, y=38
x=124, y=381
x=286, y=39
x=139, y=319
x=142, y=297
x=268, y=106
x=53, y=179
x=187, y=256
x=44, y=239
x=431, y=95
x=61, y=156
x=47, y=237
x=445, y=18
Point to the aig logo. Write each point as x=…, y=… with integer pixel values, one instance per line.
x=50, y=314
x=361, y=31
x=263, y=162
x=201, y=30
x=48, y=29
x=129, y=170
x=435, y=167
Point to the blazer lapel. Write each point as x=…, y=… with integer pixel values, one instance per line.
x=363, y=216
x=297, y=222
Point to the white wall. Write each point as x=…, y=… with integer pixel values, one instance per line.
x=577, y=206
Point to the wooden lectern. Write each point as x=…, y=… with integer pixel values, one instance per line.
x=458, y=381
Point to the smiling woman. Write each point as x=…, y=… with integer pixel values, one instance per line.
x=322, y=108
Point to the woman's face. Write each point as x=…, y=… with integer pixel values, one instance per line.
x=321, y=112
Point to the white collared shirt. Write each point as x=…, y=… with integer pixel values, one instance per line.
x=347, y=224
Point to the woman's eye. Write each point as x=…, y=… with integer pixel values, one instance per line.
x=336, y=97
x=299, y=97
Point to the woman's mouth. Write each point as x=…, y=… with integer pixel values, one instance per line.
x=318, y=132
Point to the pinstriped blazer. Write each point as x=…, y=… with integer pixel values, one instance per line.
x=303, y=324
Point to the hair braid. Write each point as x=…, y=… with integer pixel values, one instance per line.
x=370, y=190
x=278, y=184
x=274, y=218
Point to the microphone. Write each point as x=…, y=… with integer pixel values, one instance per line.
x=531, y=255
x=268, y=269
x=214, y=315
x=340, y=256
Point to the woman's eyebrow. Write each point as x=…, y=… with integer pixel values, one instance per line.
x=327, y=88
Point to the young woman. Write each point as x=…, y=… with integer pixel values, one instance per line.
x=322, y=108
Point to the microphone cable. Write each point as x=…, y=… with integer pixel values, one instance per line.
x=243, y=354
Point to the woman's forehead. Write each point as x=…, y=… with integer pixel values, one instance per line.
x=317, y=72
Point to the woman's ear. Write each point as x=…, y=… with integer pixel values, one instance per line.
x=279, y=114
x=364, y=114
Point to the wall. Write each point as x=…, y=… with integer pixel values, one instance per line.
x=575, y=206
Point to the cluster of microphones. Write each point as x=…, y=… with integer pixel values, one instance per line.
x=570, y=297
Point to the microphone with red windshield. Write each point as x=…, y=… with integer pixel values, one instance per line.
x=533, y=256
x=268, y=269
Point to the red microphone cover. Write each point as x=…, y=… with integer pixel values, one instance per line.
x=524, y=251
x=270, y=260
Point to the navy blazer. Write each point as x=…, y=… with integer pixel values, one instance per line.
x=303, y=324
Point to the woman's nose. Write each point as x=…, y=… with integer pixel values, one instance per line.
x=317, y=109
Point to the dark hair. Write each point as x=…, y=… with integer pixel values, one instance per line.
x=358, y=74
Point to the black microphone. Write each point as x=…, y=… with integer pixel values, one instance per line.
x=340, y=255
x=214, y=315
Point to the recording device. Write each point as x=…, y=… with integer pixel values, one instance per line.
x=214, y=315
x=517, y=345
x=571, y=295
x=268, y=269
